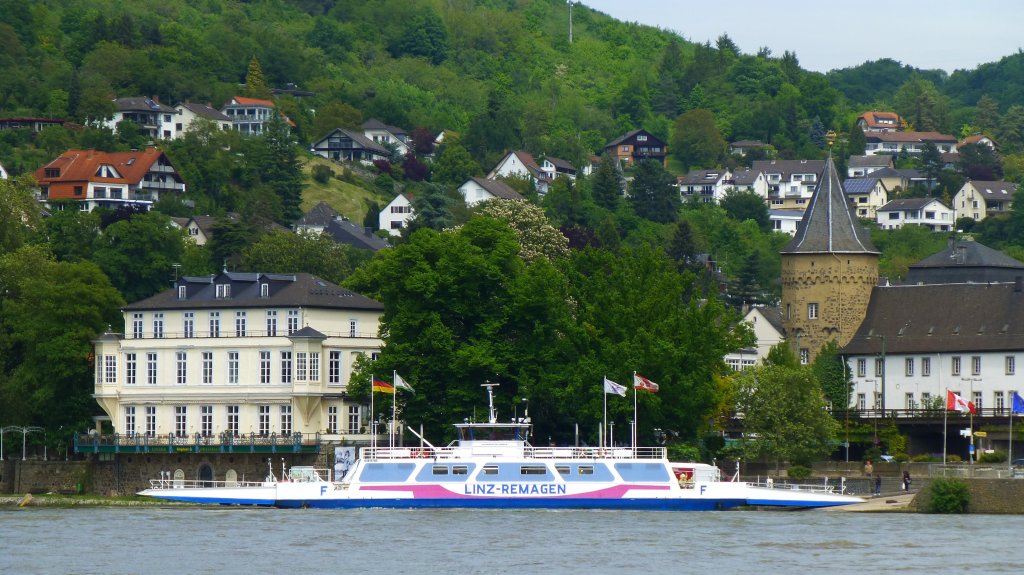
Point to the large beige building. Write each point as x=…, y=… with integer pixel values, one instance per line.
x=828, y=271
x=237, y=354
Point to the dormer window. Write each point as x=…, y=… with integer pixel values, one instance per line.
x=641, y=138
x=182, y=292
x=52, y=172
x=264, y=290
x=223, y=291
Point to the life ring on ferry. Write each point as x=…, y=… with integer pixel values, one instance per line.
x=420, y=453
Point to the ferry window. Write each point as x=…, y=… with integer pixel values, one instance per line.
x=533, y=470
x=460, y=470
x=562, y=469
x=490, y=470
x=586, y=470
x=440, y=470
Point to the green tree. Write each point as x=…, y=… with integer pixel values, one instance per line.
x=833, y=375
x=19, y=213
x=986, y=115
x=255, y=84
x=536, y=236
x=856, y=143
x=138, y=254
x=49, y=314
x=781, y=355
x=280, y=169
x=564, y=203
x=433, y=208
x=1010, y=129
x=979, y=162
x=784, y=415
x=424, y=36
x=608, y=185
x=286, y=252
x=654, y=194
x=919, y=102
x=454, y=166
x=683, y=248
x=931, y=163
x=696, y=141
x=71, y=233
x=746, y=205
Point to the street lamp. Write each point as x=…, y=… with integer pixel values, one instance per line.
x=24, y=432
x=875, y=406
x=971, y=380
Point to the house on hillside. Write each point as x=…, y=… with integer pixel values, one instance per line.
x=476, y=190
x=342, y=145
x=221, y=356
x=791, y=183
x=897, y=180
x=385, y=135
x=519, y=163
x=766, y=323
x=3, y=173
x=397, y=214
x=248, y=115
x=965, y=261
x=785, y=221
x=741, y=147
x=637, y=146
x=979, y=139
x=880, y=122
x=188, y=113
x=323, y=219
x=860, y=166
x=109, y=179
x=36, y=125
x=704, y=186
x=749, y=180
x=155, y=120
x=866, y=195
x=978, y=200
x=910, y=142
x=926, y=212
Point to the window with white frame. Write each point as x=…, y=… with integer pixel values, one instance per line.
x=129, y=420
x=955, y=365
x=208, y=367
x=189, y=324
x=206, y=420
x=926, y=366
x=1000, y=401
x=977, y=396
x=878, y=400
x=909, y=366
x=180, y=420
x=353, y=419
x=130, y=368
x=181, y=371
x=975, y=365
x=926, y=399
x=232, y=413
x=271, y=322
x=264, y=290
x=862, y=401
x=332, y=419
x=214, y=324
x=879, y=367
x=151, y=420
x=233, y=367
x=182, y=292
x=137, y=330
x=151, y=368
x=264, y=367
x=812, y=311
x=293, y=321
x=263, y=420
x=158, y=325
x=334, y=367
x=223, y=291
x=314, y=366
x=1011, y=365
x=300, y=366
x=110, y=368
x=909, y=402
x=353, y=327
x=239, y=324
x=286, y=420
x=805, y=356
x=286, y=367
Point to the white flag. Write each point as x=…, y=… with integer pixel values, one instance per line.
x=401, y=384
x=612, y=387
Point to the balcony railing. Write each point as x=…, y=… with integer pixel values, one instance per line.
x=220, y=443
x=230, y=333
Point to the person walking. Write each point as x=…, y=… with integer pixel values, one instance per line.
x=906, y=481
x=878, y=484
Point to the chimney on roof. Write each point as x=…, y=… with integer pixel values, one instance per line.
x=156, y=99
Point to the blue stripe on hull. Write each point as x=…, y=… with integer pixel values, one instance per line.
x=520, y=503
x=796, y=503
x=215, y=501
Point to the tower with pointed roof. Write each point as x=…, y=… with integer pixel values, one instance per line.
x=828, y=271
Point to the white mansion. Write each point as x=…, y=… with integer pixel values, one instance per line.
x=237, y=354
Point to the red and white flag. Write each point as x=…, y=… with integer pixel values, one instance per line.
x=956, y=403
x=641, y=382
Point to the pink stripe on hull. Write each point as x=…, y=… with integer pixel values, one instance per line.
x=439, y=492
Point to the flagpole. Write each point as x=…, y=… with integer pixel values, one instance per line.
x=1009, y=457
x=373, y=424
x=604, y=421
x=945, y=416
x=394, y=406
x=636, y=417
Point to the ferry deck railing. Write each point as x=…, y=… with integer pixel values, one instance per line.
x=459, y=452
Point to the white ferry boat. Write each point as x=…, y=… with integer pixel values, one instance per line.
x=493, y=465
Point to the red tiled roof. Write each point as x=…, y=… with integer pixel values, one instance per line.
x=252, y=101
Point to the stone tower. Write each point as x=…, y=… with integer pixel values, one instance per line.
x=828, y=271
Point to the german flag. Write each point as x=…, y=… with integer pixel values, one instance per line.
x=383, y=386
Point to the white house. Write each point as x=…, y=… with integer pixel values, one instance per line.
x=927, y=212
x=705, y=186
x=791, y=183
x=154, y=119
x=3, y=173
x=187, y=113
x=766, y=322
x=237, y=354
x=342, y=145
x=476, y=190
x=911, y=142
x=396, y=215
x=880, y=122
x=785, y=221
x=248, y=115
x=518, y=163
x=384, y=134
x=978, y=199
x=860, y=166
x=748, y=180
x=866, y=195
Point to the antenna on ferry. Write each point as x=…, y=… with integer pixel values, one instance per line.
x=492, y=414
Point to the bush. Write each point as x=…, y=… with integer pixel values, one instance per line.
x=683, y=452
x=948, y=496
x=322, y=174
x=994, y=457
x=953, y=459
x=925, y=458
x=799, y=472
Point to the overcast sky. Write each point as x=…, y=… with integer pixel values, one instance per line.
x=929, y=34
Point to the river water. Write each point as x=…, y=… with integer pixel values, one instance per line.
x=153, y=540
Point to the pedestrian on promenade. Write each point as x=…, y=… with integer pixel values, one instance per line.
x=868, y=469
x=906, y=481
x=878, y=484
